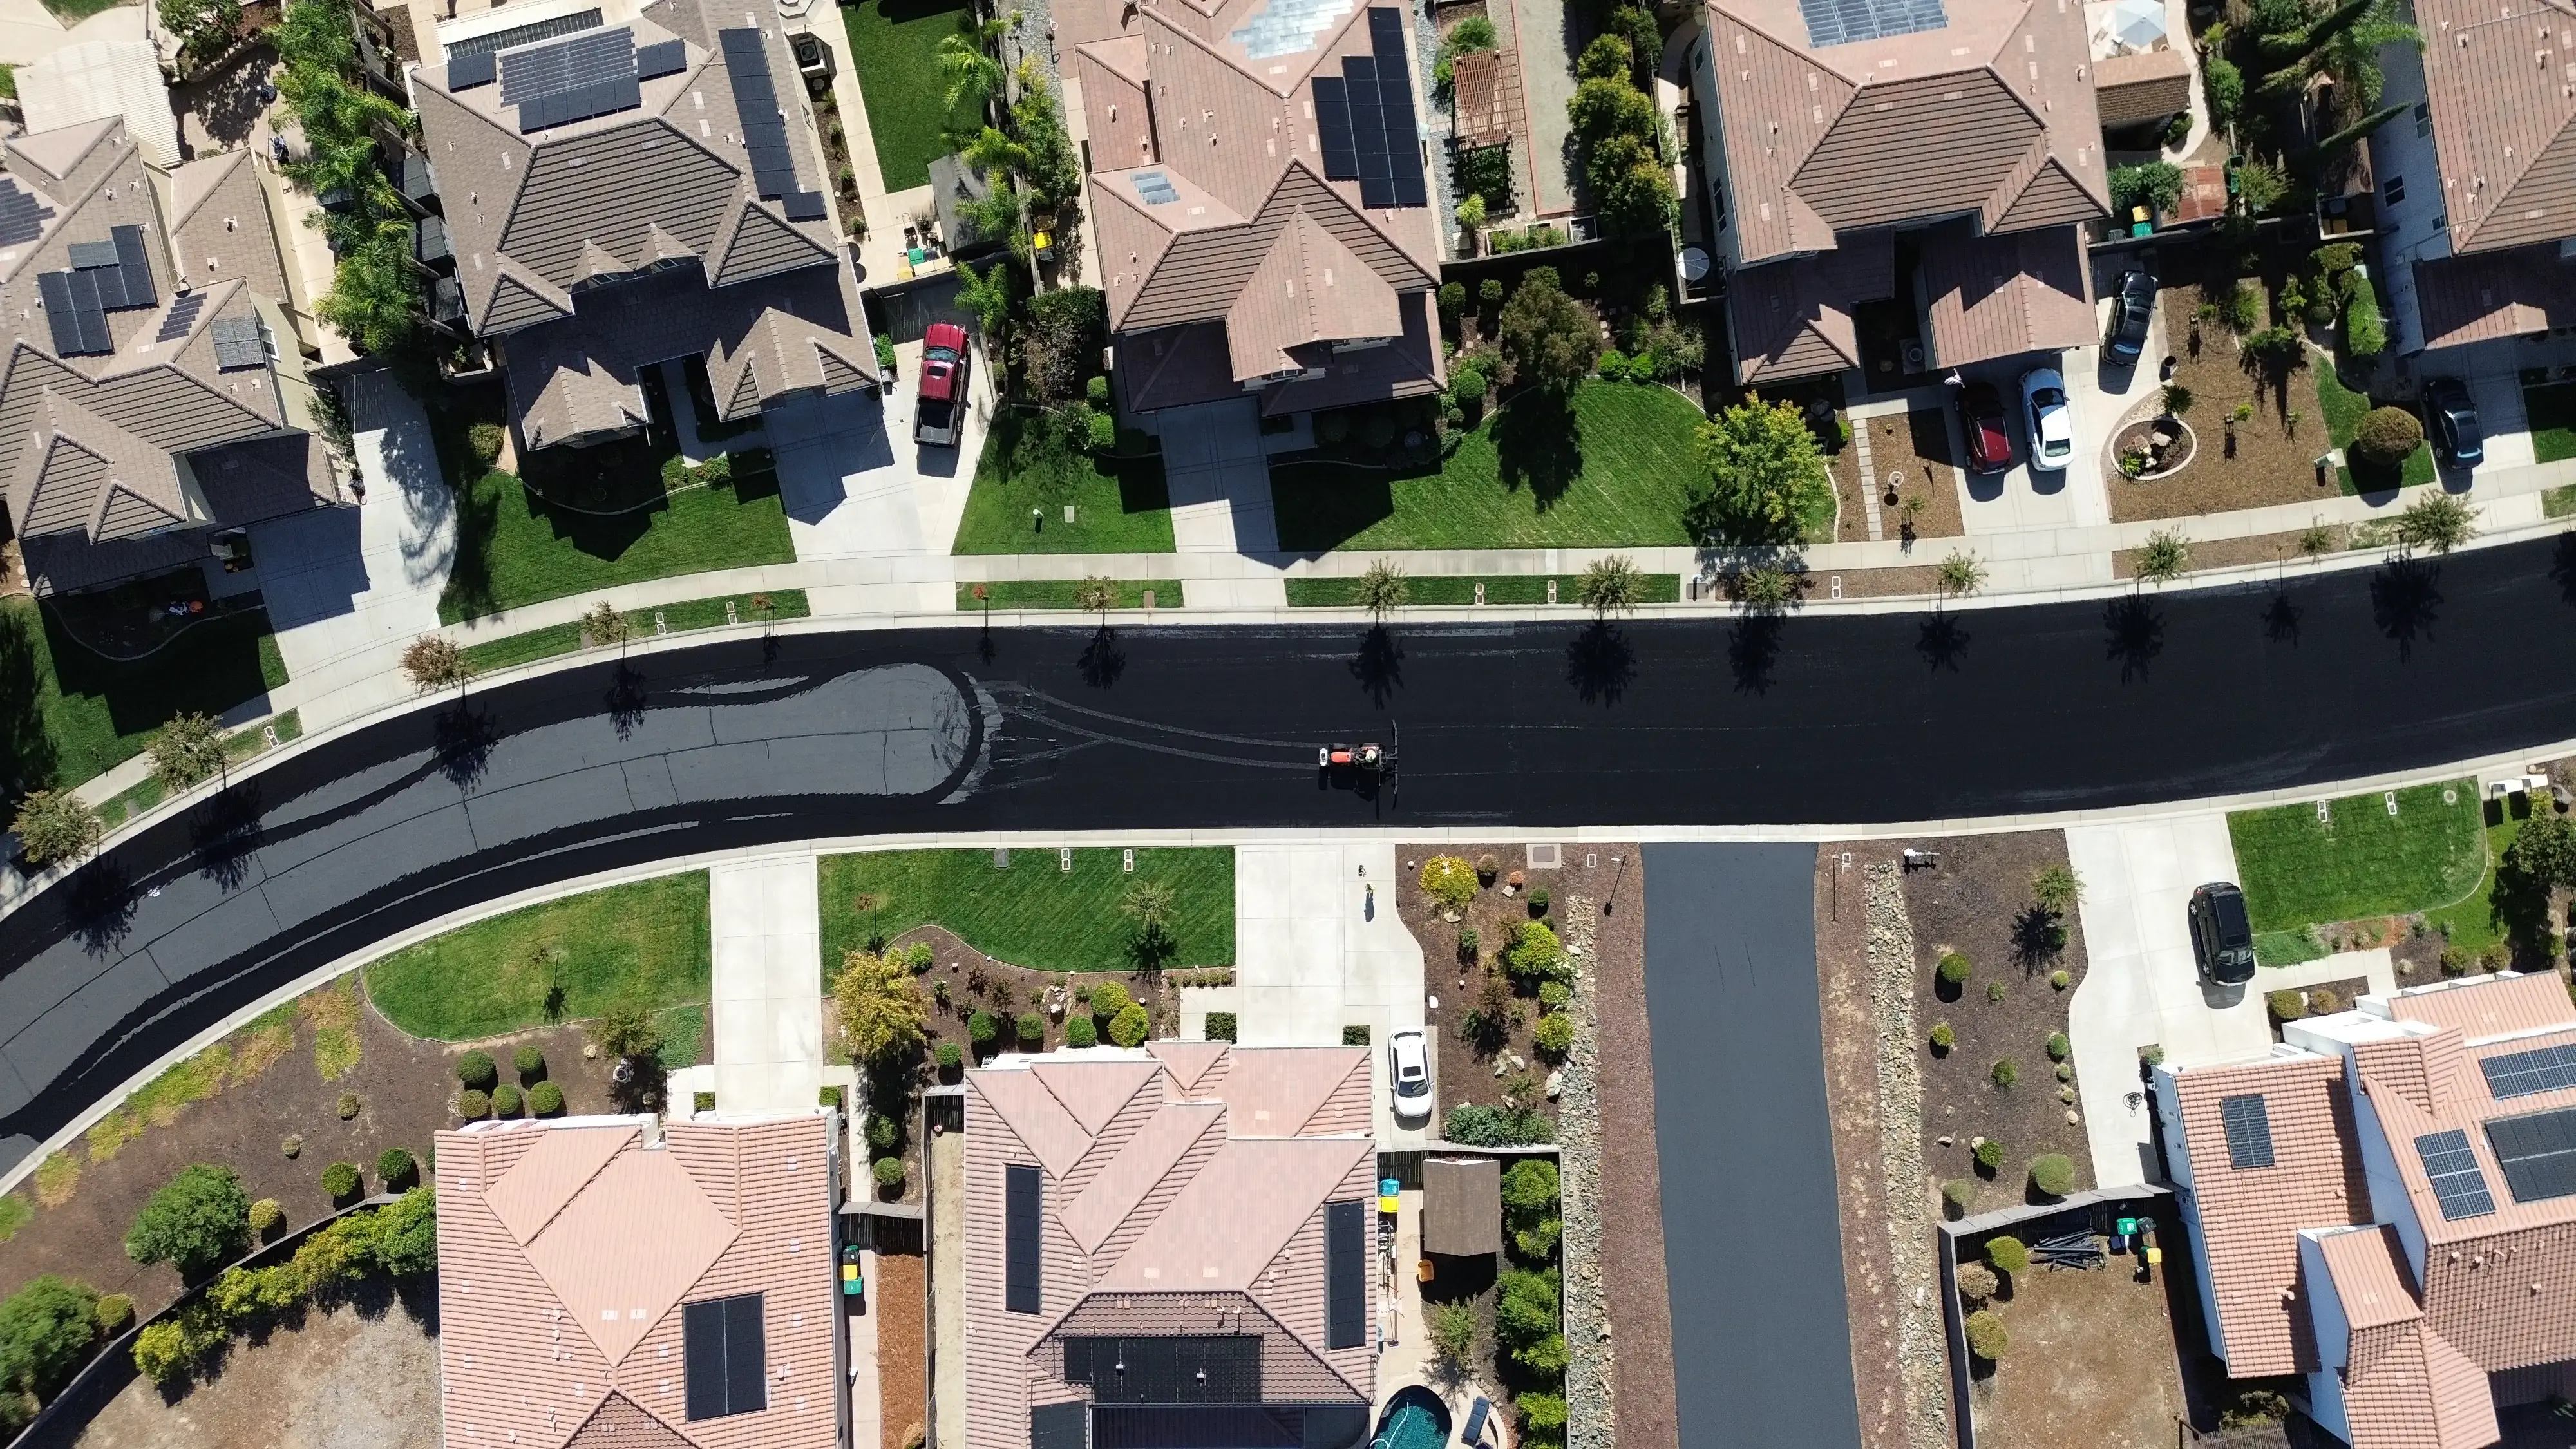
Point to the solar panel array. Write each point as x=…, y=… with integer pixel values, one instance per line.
x=2249, y=1130
x=764, y=125
x=1288, y=27
x=71, y=309
x=1842, y=22
x=563, y=81
x=1346, y=1287
x=1364, y=119
x=2537, y=1153
x=2520, y=1074
x=1022, y=1258
x=237, y=343
x=662, y=57
x=528, y=34
x=724, y=1349
x=1220, y=1368
x=22, y=216
x=464, y=72
x=2459, y=1184
x=1156, y=188
x=107, y=276
x=182, y=318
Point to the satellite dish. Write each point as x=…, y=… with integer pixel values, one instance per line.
x=1694, y=264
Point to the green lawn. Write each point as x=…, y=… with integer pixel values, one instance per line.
x=2361, y=861
x=2558, y=502
x=2343, y=409
x=557, y=639
x=73, y=12
x=1032, y=914
x=67, y=714
x=894, y=49
x=2552, y=411
x=1119, y=504
x=1461, y=589
x=1058, y=594
x=648, y=940
x=1615, y=472
x=514, y=548
x=2471, y=923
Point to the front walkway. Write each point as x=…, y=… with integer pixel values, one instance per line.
x=1318, y=947
x=767, y=986
x=1219, y=480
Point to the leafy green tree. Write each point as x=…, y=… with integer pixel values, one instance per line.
x=879, y=1006
x=992, y=152
x=626, y=1029
x=195, y=1223
x=203, y=28
x=375, y=296
x=1551, y=341
x=2156, y=184
x=2343, y=45
x=1530, y=1207
x=1527, y=1311
x=1767, y=476
x=1606, y=106
x=56, y=825
x=1606, y=58
x=1038, y=125
x=1632, y=188
x=46, y=1329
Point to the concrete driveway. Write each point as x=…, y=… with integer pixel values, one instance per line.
x=854, y=481
x=1219, y=479
x=1314, y=954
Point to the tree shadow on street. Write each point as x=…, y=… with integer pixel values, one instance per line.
x=1599, y=663
x=625, y=699
x=1942, y=642
x=1379, y=665
x=2281, y=620
x=1102, y=660
x=2133, y=634
x=2405, y=599
x=101, y=905
x=464, y=737
x=1753, y=651
x=223, y=832
x=2562, y=567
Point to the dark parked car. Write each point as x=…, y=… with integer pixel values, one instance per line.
x=2222, y=935
x=2130, y=309
x=2454, y=420
x=1981, y=422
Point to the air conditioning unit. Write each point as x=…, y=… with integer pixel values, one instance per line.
x=1913, y=355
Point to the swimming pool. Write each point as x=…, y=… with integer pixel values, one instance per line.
x=1415, y=1419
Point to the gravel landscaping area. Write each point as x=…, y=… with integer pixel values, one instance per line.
x=1913, y=448
x=2273, y=458
x=1978, y=904
x=363, y=1375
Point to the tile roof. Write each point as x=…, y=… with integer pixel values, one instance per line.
x=2141, y=86
x=1993, y=112
x=567, y=1248
x=1793, y=318
x=2404, y=1386
x=2250, y=1217
x=1309, y=288
x=2504, y=119
x=2490, y=1006
x=2006, y=294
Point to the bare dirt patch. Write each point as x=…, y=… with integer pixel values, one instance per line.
x=1632, y=1249
x=2262, y=548
x=1977, y=902
x=2272, y=459
x=363, y=1375
x=2091, y=1362
x=1911, y=450
x=902, y=1307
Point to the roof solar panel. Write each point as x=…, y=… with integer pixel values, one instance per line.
x=87, y=312
x=93, y=254
x=536, y=71
x=464, y=72
x=1844, y=22
x=2459, y=1184
x=2520, y=1074
x=1060, y=1426
x=702, y=1355
x=2249, y=1130
x=22, y=216
x=237, y=343
x=54, y=289
x=529, y=34
x=804, y=206
x=1345, y=1274
x=1386, y=33
x=136, y=264
x=746, y=1355
x=2537, y=1153
x=1022, y=1251
x=182, y=318
x=662, y=57
x=1333, y=128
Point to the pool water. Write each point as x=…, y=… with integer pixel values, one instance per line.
x=1415, y=1419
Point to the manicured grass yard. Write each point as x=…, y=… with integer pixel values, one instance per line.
x=1461, y=589
x=647, y=940
x=514, y=547
x=2361, y=861
x=2552, y=411
x=67, y=714
x=1618, y=472
x=1032, y=914
x=894, y=48
x=1119, y=504
x=2471, y=924
x=2559, y=502
x=2343, y=409
x=1058, y=594
x=557, y=639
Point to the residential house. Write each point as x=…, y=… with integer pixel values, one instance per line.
x=638, y=219
x=1899, y=186
x=2476, y=211
x=1259, y=200
x=1170, y=1245
x=619, y=1283
x=145, y=406
x=2386, y=1204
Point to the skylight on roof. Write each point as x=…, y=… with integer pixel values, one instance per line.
x=1288, y=27
x=1155, y=188
x=2537, y=1153
x=2249, y=1130
x=2459, y=1184
x=1845, y=22
x=2521, y=1074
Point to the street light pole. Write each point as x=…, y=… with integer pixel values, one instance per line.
x=1612, y=903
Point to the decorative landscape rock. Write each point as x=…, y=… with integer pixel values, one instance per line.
x=1588, y=1423
x=1921, y=1344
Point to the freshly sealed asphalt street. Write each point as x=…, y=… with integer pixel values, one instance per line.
x=1519, y=727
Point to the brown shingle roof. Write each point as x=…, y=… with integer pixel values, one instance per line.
x=2504, y=119
x=2141, y=86
x=1462, y=1206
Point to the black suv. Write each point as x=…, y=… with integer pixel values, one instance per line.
x=2455, y=422
x=2130, y=310
x=2222, y=935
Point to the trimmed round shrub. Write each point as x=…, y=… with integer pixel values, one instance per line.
x=115, y=1313
x=881, y=1131
x=265, y=1215
x=2007, y=1254
x=2323, y=1002
x=197, y=1221
x=1131, y=1027
x=292, y=1147
x=506, y=1100
x=888, y=1172
x=981, y=1028
x=1986, y=1336
x=1977, y=1282
x=950, y=1058
x=2286, y=1005
x=1450, y=880
x=2005, y=1073
x=1959, y=1192
x=1538, y=900
x=473, y=1104
x=1954, y=968
x=530, y=1061
x=1943, y=1037
x=1032, y=1028
x=2066, y=1071
x=545, y=1099
x=1994, y=991
x=2385, y=436
x=1990, y=1153
x=1079, y=1032
x=1554, y=1034
x=2053, y=1173
x=2058, y=1046
x=348, y=1105
x=340, y=1181
x=1554, y=996
x=1490, y=291
x=2058, y=980
x=1108, y=998
x=397, y=1168
x=475, y=1069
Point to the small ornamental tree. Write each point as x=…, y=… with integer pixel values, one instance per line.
x=1611, y=586
x=188, y=749
x=880, y=1007
x=56, y=825
x=2056, y=888
x=1551, y=341
x=981, y=1028
x=195, y=1223
x=433, y=661
x=1766, y=476
x=2007, y=1254
x=888, y=1172
x=1032, y=1028
x=1383, y=589
x=1986, y=1336
x=949, y=1057
x=2385, y=436
x=2438, y=522
x=1453, y=1331
x=626, y=1029
x=1960, y=575
x=1130, y=1027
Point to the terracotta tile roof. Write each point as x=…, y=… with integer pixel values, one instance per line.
x=1094, y=1091
x=1236, y=1214
x=1309, y=288
x=2490, y=1006
x=2250, y=1217
x=556, y=1166
x=2404, y=1386
x=2398, y=1076
x=1280, y=1092
x=1972, y=115
x=2504, y=120
x=2006, y=294
x=1187, y=1062
x=2371, y=1282
x=2481, y=296
x=1144, y=1162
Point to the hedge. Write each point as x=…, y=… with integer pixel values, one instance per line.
x=1472, y=1124
x=399, y=1239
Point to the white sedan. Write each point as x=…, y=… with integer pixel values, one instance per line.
x=2052, y=422
x=1408, y=1065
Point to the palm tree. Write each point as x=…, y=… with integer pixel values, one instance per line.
x=1383, y=589
x=1960, y=575
x=988, y=296
x=967, y=66
x=993, y=152
x=2344, y=46
x=1096, y=595
x=1149, y=903
x=1611, y=586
